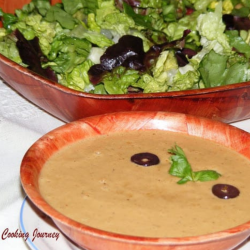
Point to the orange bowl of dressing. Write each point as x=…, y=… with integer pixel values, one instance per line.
x=119, y=193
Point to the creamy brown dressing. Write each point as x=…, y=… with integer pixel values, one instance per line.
x=94, y=182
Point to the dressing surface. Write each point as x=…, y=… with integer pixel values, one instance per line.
x=93, y=181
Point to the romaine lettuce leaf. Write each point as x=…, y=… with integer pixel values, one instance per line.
x=91, y=23
x=168, y=76
x=57, y=14
x=85, y=6
x=100, y=89
x=140, y=20
x=41, y=6
x=78, y=78
x=211, y=28
x=238, y=72
x=32, y=26
x=185, y=79
x=95, y=54
x=163, y=72
x=165, y=62
x=119, y=23
x=110, y=18
x=156, y=4
x=8, y=47
x=152, y=23
x=201, y=4
x=152, y=85
x=175, y=29
x=243, y=8
x=119, y=79
x=238, y=43
x=97, y=38
x=215, y=71
x=72, y=6
x=68, y=52
x=7, y=20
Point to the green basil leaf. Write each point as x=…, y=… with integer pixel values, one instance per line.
x=181, y=168
x=184, y=180
x=206, y=175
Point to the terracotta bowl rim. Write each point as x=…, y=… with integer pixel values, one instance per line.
x=58, y=217
x=173, y=94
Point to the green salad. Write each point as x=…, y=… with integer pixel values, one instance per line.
x=131, y=46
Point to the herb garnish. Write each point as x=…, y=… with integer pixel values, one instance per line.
x=181, y=168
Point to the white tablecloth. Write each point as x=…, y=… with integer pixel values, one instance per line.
x=21, y=124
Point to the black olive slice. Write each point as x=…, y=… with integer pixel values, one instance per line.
x=225, y=191
x=145, y=159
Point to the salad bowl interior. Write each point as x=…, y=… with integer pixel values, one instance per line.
x=228, y=103
x=92, y=238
